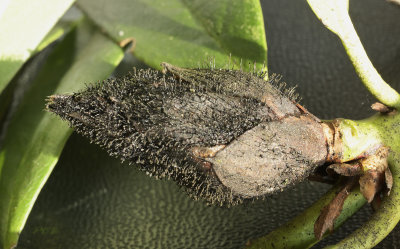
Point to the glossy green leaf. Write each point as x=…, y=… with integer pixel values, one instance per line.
x=23, y=25
x=61, y=28
x=237, y=26
x=35, y=138
x=185, y=33
x=5, y=101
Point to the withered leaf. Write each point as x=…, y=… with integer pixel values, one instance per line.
x=346, y=169
x=379, y=107
x=331, y=211
x=371, y=183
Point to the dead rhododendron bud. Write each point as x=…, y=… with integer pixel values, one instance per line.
x=224, y=135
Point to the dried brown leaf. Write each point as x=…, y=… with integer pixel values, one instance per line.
x=371, y=183
x=376, y=202
x=331, y=211
x=346, y=169
x=379, y=107
x=388, y=180
x=377, y=161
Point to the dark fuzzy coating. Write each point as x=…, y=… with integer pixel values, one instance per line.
x=153, y=120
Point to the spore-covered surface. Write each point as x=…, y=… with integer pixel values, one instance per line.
x=155, y=121
x=92, y=201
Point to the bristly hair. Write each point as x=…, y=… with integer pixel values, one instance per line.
x=154, y=120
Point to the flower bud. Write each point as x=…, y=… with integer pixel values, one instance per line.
x=225, y=135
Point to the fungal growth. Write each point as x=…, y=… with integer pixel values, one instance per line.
x=226, y=136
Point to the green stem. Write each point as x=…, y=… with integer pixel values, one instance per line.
x=299, y=232
x=370, y=77
x=334, y=15
x=382, y=221
x=358, y=138
x=365, y=135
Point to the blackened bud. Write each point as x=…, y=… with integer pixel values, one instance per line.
x=225, y=135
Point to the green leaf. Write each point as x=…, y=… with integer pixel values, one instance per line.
x=237, y=26
x=23, y=24
x=5, y=101
x=62, y=27
x=35, y=138
x=185, y=33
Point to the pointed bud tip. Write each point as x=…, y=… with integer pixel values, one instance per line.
x=54, y=102
x=166, y=67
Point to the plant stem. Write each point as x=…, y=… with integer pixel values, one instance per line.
x=334, y=15
x=358, y=138
x=381, y=129
x=299, y=232
x=382, y=222
x=370, y=77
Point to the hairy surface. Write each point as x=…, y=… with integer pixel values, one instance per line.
x=154, y=120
